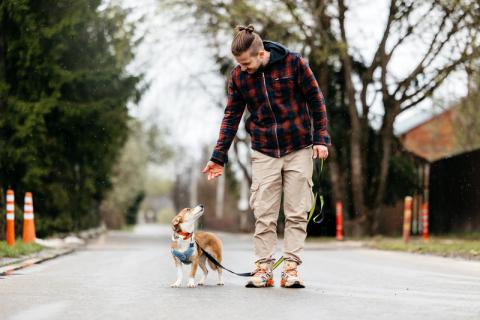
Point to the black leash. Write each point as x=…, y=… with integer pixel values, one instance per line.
x=320, y=216
x=215, y=262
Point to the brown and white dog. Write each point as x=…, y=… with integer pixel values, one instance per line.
x=185, y=250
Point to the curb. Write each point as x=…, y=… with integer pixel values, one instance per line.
x=26, y=262
x=14, y=264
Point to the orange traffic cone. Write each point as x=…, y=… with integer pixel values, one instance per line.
x=10, y=217
x=28, y=220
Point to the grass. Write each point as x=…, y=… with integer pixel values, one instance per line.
x=128, y=227
x=18, y=249
x=320, y=239
x=449, y=247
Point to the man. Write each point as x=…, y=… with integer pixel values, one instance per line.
x=288, y=128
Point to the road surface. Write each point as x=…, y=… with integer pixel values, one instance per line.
x=126, y=275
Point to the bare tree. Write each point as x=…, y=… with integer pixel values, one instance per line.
x=453, y=42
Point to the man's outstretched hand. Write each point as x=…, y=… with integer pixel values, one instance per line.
x=212, y=170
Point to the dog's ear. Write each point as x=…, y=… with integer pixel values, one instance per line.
x=176, y=223
x=178, y=219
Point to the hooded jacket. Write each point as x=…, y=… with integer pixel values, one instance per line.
x=287, y=108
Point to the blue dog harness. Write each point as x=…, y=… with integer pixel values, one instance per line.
x=184, y=257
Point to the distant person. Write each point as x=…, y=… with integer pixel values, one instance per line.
x=288, y=128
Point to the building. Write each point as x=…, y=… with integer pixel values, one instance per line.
x=449, y=170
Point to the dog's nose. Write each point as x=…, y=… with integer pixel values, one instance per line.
x=201, y=206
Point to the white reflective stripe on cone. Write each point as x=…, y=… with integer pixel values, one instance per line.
x=10, y=207
x=28, y=216
x=10, y=216
x=10, y=197
x=28, y=208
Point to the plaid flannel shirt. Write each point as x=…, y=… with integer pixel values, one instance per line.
x=283, y=99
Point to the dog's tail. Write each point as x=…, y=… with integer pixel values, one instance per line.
x=212, y=266
x=217, y=254
x=215, y=251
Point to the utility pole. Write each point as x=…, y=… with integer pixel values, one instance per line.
x=193, y=185
x=243, y=204
x=220, y=196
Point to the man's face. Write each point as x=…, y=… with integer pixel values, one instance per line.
x=250, y=63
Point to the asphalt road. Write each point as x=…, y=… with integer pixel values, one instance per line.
x=126, y=275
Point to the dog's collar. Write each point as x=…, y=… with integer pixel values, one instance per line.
x=185, y=235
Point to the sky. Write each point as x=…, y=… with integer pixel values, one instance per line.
x=186, y=90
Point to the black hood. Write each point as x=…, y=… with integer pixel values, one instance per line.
x=277, y=51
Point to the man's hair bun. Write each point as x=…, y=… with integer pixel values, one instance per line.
x=248, y=28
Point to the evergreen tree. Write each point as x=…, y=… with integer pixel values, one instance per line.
x=63, y=105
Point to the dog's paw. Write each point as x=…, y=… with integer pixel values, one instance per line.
x=175, y=285
x=192, y=285
x=220, y=283
x=201, y=283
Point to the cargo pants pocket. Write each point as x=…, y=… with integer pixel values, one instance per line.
x=253, y=195
x=308, y=195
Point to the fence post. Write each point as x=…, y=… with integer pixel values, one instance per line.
x=339, y=220
x=407, y=217
x=425, y=221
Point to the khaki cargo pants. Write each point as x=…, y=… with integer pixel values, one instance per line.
x=292, y=175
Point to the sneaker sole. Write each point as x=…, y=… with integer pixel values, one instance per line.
x=295, y=285
x=269, y=283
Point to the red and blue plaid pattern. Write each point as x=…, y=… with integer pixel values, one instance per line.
x=283, y=99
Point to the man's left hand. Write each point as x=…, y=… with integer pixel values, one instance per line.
x=320, y=151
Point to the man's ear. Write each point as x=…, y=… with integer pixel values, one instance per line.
x=261, y=53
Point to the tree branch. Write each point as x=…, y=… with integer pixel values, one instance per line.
x=291, y=6
x=440, y=76
x=347, y=67
x=432, y=52
x=409, y=31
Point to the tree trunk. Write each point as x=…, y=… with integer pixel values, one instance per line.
x=380, y=185
x=3, y=60
x=356, y=130
x=338, y=183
